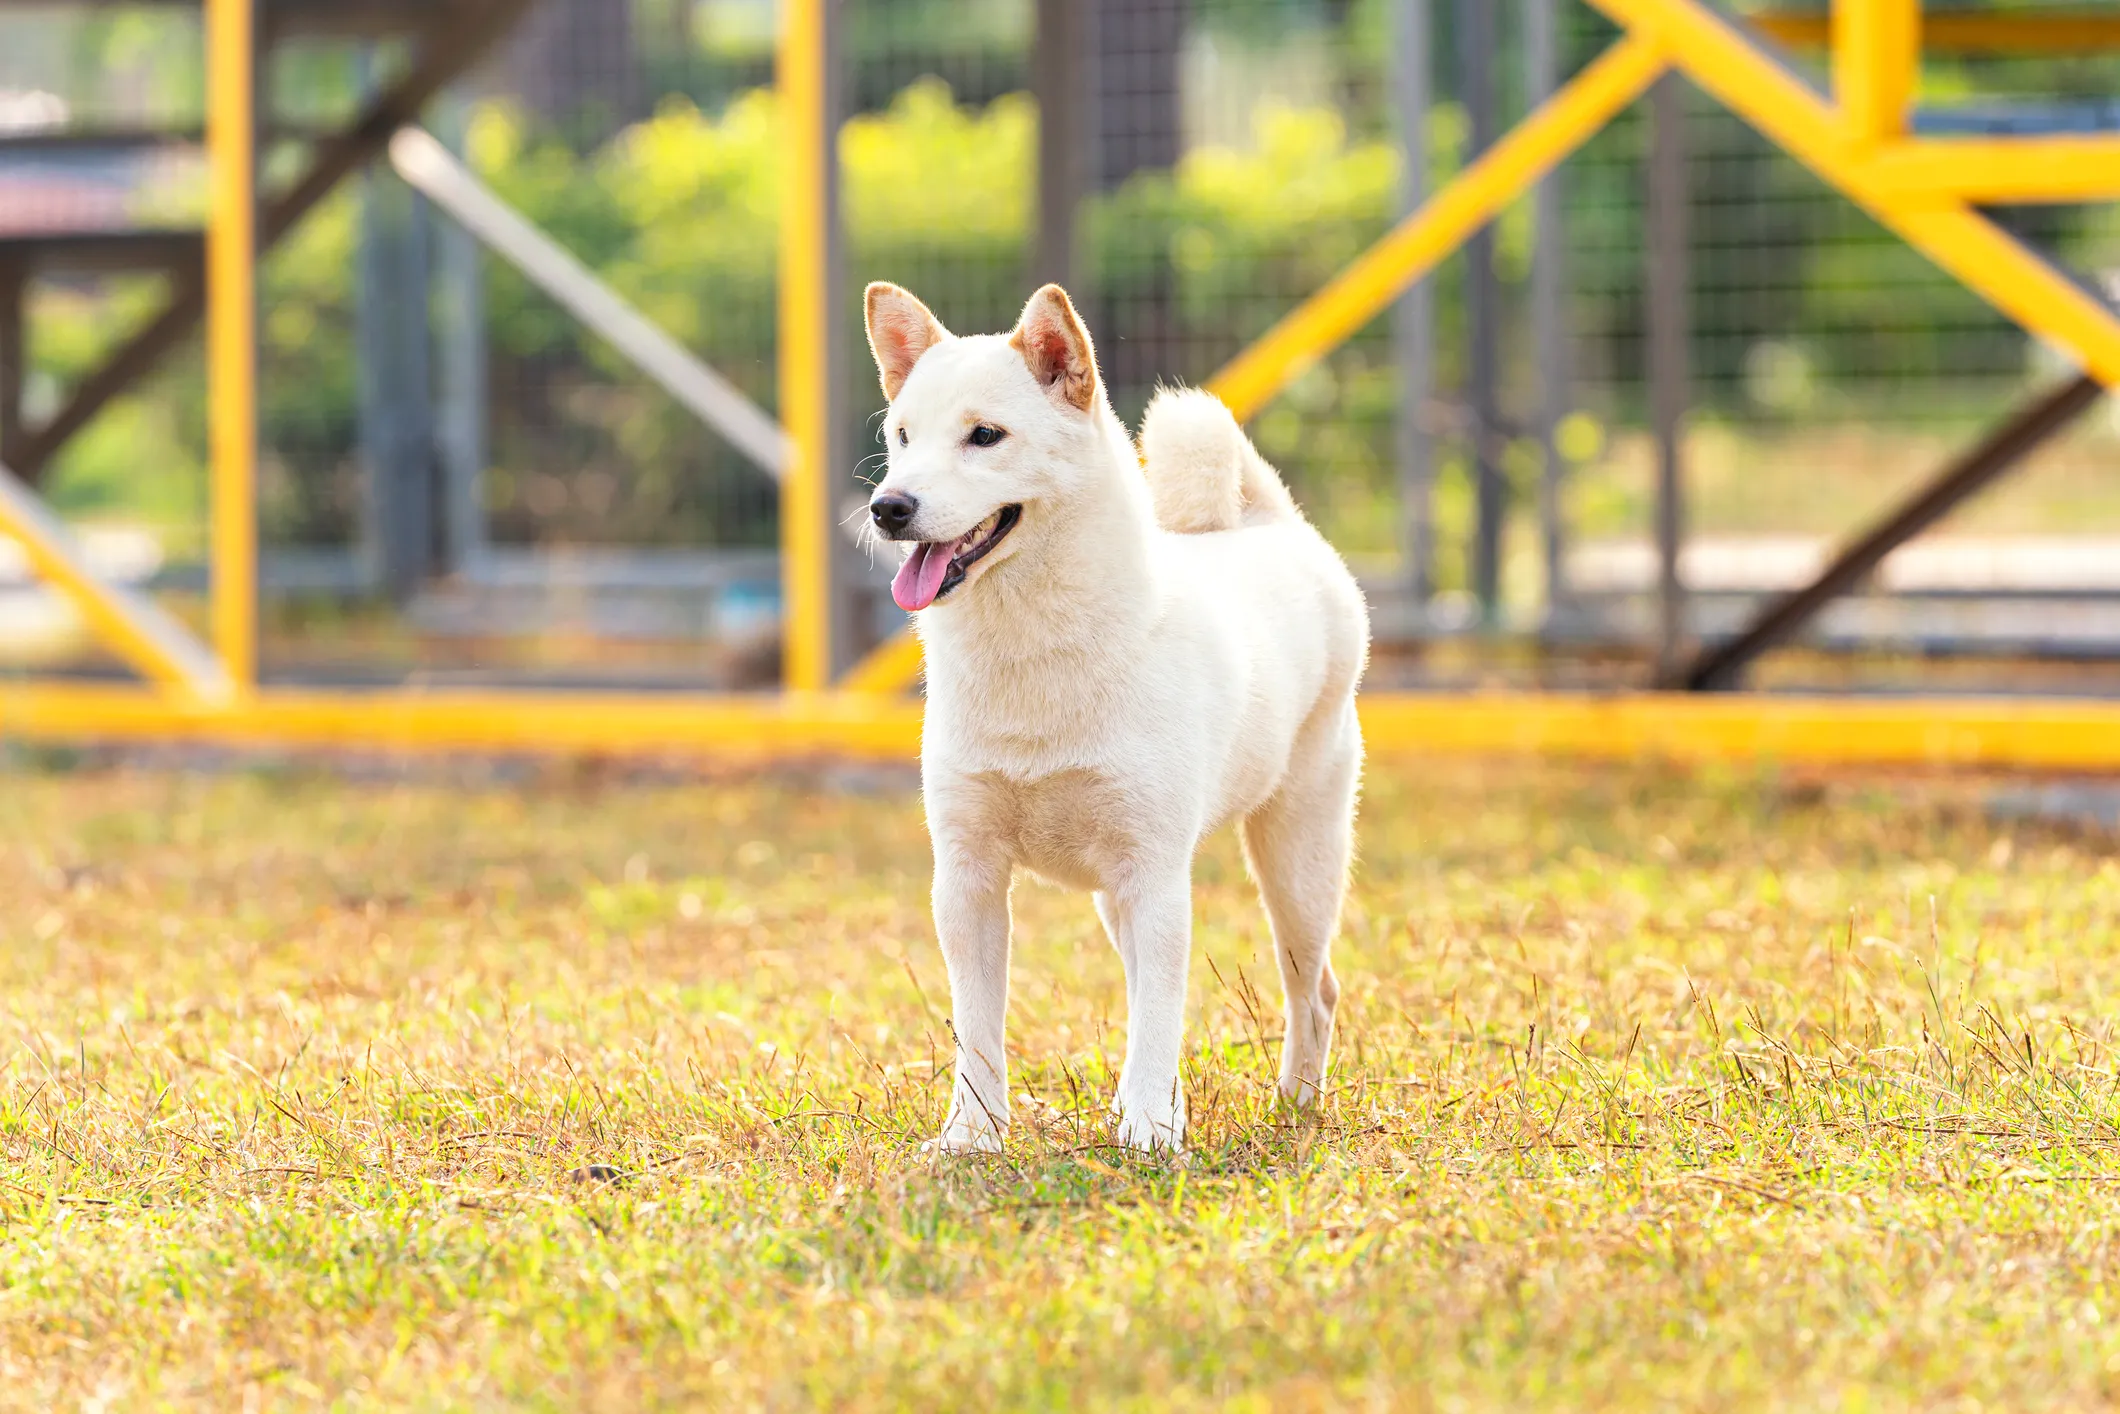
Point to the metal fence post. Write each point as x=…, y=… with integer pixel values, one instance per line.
x=805, y=347
x=232, y=332
x=396, y=414
x=1666, y=278
x=1413, y=316
x=14, y=355
x=1059, y=73
x=851, y=599
x=1476, y=54
x=461, y=433
x=1549, y=306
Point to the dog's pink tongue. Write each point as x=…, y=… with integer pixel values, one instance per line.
x=920, y=577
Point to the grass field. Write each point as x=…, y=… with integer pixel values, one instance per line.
x=1655, y=1090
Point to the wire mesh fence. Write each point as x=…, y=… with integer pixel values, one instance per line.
x=457, y=476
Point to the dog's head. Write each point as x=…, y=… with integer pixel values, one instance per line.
x=983, y=434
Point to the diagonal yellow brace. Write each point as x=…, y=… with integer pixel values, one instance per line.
x=1980, y=255
x=130, y=625
x=1415, y=246
x=890, y=668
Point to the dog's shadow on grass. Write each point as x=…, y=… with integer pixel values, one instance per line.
x=1061, y=1163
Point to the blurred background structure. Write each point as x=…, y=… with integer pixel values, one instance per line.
x=522, y=375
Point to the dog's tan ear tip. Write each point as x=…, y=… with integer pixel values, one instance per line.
x=881, y=293
x=1051, y=294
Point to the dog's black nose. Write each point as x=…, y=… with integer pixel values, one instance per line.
x=893, y=512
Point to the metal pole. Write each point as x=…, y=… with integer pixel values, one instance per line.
x=1667, y=278
x=1059, y=72
x=1476, y=54
x=852, y=605
x=14, y=357
x=1876, y=59
x=232, y=332
x=461, y=440
x=805, y=348
x=397, y=432
x=1413, y=316
x=1549, y=305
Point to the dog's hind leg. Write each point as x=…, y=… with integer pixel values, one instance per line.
x=1298, y=845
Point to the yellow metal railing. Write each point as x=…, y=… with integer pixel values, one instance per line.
x=1924, y=189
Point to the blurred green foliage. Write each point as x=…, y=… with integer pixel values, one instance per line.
x=1180, y=268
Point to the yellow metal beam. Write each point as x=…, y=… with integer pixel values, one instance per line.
x=2046, y=735
x=231, y=331
x=738, y=727
x=2000, y=170
x=1959, y=732
x=131, y=625
x=1876, y=51
x=1507, y=170
x=2013, y=32
x=805, y=546
x=1984, y=258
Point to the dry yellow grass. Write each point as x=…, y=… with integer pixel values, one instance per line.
x=1654, y=1091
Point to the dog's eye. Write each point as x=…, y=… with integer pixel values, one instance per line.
x=901, y=436
x=985, y=436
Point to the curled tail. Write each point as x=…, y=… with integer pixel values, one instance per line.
x=1203, y=471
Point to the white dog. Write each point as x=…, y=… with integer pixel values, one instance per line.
x=1117, y=665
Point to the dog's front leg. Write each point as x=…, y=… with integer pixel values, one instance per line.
x=972, y=922
x=1154, y=918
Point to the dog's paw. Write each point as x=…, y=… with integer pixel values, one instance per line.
x=959, y=1138
x=1302, y=1091
x=1140, y=1127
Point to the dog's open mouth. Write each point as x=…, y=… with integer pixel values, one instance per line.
x=937, y=566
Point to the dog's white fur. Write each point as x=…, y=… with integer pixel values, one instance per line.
x=1141, y=660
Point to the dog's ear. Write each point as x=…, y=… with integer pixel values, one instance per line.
x=901, y=329
x=1053, y=341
